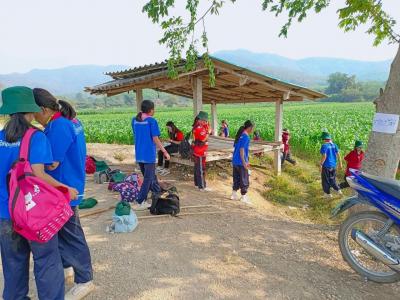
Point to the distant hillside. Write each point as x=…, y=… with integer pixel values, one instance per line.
x=309, y=71
x=63, y=81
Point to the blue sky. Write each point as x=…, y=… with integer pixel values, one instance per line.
x=57, y=33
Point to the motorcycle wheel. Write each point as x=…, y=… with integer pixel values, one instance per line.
x=370, y=222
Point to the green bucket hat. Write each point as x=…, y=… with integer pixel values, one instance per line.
x=326, y=136
x=358, y=144
x=123, y=209
x=18, y=99
x=203, y=116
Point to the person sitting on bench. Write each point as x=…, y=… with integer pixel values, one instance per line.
x=175, y=138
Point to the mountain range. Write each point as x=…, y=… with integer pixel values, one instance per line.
x=310, y=72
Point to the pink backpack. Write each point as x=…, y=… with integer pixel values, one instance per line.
x=38, y=210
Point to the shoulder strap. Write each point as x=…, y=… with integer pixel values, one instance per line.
x=26, y=144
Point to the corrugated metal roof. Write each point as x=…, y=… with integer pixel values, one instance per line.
x=142, y=74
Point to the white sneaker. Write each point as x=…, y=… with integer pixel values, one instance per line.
x=80, y=291
x=339, y=192
x=245, y=199
x=143, y=206
x=69, y=275
x=159, y=169
x=327, y=196
x=235, y=196
x=205, y=190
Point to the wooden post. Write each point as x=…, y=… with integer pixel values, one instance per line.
x=197, y=95
x=278, y=132
x=139, y=99
x=214, y=118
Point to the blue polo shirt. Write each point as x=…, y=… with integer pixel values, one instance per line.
x=67, y=140
x=40, y=153
x=331, y=150
x=144, y=131
x=243, y=142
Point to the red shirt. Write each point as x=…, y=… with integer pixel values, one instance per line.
x=200, y=136
x=178, y=137
x=285, y=142
x=354, y=161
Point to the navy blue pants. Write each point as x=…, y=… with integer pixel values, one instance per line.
x=240, y=179
x=74, y=249
x=15, y=256
x=328, y=179
x=200, y=172
x=150, y=182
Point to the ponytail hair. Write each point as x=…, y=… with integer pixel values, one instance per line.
x=66, y=110
x=248, y=124
x=146, y=107
x=44, y=98
x=16, y=127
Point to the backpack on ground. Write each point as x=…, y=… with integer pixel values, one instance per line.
x=165, y=203
x=185, y=148
x=38, y=210
x=90, y=165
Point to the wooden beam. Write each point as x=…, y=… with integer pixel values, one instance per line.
x=139, y=99
x=278, y=135
x=214, y=118
x=244, y=76
x=197, y=95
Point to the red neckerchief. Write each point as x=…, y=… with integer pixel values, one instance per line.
x=56, y=116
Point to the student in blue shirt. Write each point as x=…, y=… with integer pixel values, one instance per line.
x=67, y=139
x=330, y=158
x=147, y=138
x=19, y=104
x=240, y=162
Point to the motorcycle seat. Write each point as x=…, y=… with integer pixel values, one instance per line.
x=388, y=186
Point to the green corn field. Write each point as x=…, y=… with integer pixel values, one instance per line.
x=346, y=122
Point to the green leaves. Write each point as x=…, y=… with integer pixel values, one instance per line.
x=370, y=12
x=179, y=35
x=354, y=14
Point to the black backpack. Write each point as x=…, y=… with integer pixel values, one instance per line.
x=165, y=203
x=185, y=149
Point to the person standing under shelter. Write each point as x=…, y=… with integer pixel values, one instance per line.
x=286, y=155
x=330, y=158
x=147, y=138
x=201, y=131
x=224, y=130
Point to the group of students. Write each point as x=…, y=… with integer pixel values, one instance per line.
x=147, y=133
x=57, y=156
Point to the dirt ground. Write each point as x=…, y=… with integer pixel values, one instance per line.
x=232, y=252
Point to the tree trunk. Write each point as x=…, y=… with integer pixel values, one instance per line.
x=383, y=152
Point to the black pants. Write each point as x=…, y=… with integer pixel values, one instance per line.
x=200, y=171
x=288, y=157
x=344, y=184
x=328, y=176
x=150, y=182
x=173, y=148
x=240, y=179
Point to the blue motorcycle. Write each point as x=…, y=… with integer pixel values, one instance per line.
x=369, y=240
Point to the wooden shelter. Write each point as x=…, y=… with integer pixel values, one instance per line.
x=234, y=84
